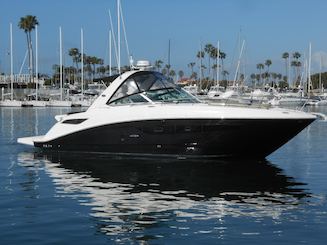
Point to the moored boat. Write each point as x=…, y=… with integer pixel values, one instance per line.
x=142, y=112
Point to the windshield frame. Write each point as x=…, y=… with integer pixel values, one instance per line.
x=158, y=80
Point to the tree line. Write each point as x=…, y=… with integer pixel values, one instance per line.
x=207, y=60
x=207, y=64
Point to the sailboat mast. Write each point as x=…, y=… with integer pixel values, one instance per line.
x=82, y=62
x=200, y=54
x=118, y=33
x=168, y=57
x=309, y=70
x=11, y=66
x=113, y=37
x=320, y=68
x=60, y=63
x=218, y=62
x=289, y=71
x=36, y=64
x=238, y=63
x=110, y=72
x=124, y=31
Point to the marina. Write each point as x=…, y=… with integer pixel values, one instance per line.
x=163, y=122
x=133, y=199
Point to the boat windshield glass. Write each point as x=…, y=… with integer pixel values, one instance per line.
x=147, y=87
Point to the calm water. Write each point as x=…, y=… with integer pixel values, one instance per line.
x=71, y=199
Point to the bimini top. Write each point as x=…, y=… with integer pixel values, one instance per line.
x=143, y=87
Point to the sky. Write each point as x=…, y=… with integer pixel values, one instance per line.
x=268, y=27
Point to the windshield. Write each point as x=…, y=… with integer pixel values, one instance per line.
x=149, y=87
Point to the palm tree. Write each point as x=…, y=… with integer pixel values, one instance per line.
x=56, y=71
x=172, y=73
x=158, y=64
x=214, y=70
x=191, y=65
x=296, y=55
x=274, y=76
x=222, y=56
x=164, y=71
x=101, y=70
x=252, y=76
x=268, y=64
x=69, y=72
x=180, y=74
x=279, y=76
x=168, y=67
x=297, y=64
x=225, y=74
x=214, y=56
x=28, y=24
x=257, y=77
x=76, y=57
x=93, y=60
x=203, y=67
x=194, y=75
x=88, y=69
x=208, y=49
x=260, y=66
x=87, y=65
x=200, y=56
x=285, y=56
x=100, y=62
x=294, y=65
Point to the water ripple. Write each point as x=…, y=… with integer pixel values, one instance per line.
x=130, y=197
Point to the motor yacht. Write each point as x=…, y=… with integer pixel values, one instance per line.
x=144, y=113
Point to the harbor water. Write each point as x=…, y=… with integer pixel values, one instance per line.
x=97, y=199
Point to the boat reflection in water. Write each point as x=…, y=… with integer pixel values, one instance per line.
x=130, y=196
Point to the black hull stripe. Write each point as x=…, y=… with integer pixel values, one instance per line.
x=181, y=137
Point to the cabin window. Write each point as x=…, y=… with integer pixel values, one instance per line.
x=129, y=87
x=135, y=98
x=74, y=121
